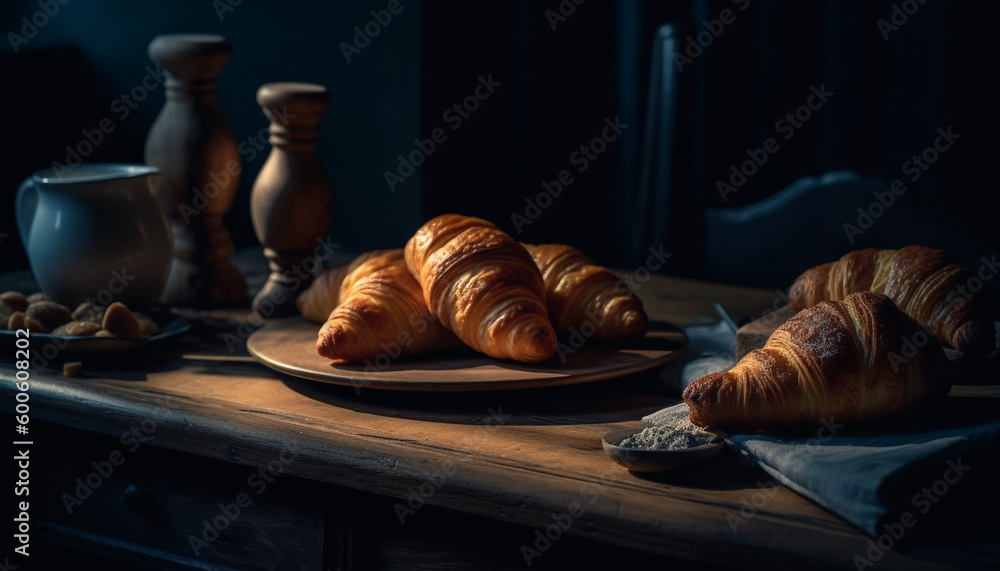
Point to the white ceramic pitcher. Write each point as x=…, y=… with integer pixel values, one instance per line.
x=95, y=233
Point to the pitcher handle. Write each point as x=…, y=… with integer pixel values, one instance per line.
x=25, y=204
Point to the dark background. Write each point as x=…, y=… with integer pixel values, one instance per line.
x=560, y=79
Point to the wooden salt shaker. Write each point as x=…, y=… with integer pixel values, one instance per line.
x=197, y=154
x=291, y=202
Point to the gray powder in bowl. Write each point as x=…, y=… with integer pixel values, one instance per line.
x=668, y=429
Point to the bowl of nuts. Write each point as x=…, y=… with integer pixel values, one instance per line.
x=61, y=333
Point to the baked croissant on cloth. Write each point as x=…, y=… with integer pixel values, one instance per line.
x=927, y=284
x=851, y=360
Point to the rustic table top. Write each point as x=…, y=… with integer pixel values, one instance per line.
x=518, y=456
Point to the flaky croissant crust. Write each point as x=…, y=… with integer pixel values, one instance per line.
x=381, y=311
x=482, y=285
x=924, y=282
x=577, y=291
x=846, y=360
x=323, y=295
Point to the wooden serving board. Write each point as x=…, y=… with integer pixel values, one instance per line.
x=289, y=346
x=965, y=370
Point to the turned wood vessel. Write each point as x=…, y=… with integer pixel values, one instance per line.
x=291, y=201
x=197, y=154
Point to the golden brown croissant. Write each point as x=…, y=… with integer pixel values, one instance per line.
x=578, y=292
x=849, y=360
x=927, y=284
x=381, y=311
x=482, y=285
x=323, y=295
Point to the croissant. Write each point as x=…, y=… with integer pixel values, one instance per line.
x=381, y=311
x=578, y=292
x=483, y=286
x=927, y=284
x=850, y=360
x=323, y=295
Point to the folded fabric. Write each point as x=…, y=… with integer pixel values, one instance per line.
x=917, y=482
x=710, y=349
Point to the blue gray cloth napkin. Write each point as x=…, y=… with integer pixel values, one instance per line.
x=931, y=479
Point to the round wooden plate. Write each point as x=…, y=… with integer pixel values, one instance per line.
x=289, y=346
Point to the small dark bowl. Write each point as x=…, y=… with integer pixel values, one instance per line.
x=639, y=460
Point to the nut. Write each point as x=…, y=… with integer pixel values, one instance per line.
x=121, y=322
x=49, y=313
x=87, y=311
x=33, y=325
x=15, y=300
x=73, y=369
x=77, y=329
x=38, y=296
x=5, y=312
x=16, y=321
x=149, y=327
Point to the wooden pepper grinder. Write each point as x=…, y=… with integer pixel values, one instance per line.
x=197, y=153
x=291, y=202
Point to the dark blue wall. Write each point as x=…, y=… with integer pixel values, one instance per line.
x=68, y=75
x=560, y=80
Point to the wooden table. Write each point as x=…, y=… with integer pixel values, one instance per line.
x=495, y=471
